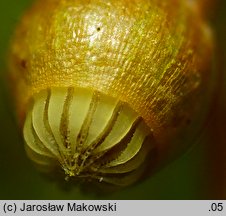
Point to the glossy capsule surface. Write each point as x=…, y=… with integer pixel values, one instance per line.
x=148, y=59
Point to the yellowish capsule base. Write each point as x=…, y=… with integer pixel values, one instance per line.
x=88, y=134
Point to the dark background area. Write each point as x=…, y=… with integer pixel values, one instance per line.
x=198, y=174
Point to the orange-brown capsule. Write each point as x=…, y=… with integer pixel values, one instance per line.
x=99, y=85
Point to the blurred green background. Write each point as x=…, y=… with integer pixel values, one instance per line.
x=198, y=174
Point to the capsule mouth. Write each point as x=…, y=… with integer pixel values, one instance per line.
x=88, y=134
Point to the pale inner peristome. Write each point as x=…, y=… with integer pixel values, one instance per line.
x=87, y=134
